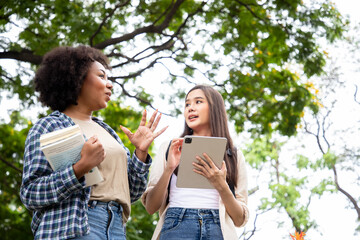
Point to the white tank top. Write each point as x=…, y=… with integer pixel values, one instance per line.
x=192, y=197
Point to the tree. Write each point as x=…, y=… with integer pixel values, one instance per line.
x=258, y=54
x=253, y=42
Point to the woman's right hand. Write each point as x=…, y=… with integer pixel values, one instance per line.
x=174, y=154
x=92, y=154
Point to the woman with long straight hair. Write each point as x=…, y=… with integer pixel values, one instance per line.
x=193, y=213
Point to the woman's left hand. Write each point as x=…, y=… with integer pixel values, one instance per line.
x=216, y=176
x=144, y=135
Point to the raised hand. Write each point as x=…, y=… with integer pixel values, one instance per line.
x=144, y=135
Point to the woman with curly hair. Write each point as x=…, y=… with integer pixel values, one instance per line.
x=194, y=213
x=73, y=82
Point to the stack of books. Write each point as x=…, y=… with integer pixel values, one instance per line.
x=63, y=147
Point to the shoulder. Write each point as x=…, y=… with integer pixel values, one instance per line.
x=56, y=120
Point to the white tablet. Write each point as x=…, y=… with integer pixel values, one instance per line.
x=195, y=146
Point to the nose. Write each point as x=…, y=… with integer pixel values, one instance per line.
x=190, y=108
x=109, y=84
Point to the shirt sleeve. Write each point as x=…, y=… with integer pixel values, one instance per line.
x=241, y=191
x=41, y=186
x=137, y=174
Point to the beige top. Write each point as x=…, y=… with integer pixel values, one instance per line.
x=115, y=186
x=227, y=225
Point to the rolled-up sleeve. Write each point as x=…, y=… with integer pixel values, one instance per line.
x=137, y=174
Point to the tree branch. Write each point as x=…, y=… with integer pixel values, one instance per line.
x=106, y=18
x=11, y=165
x=24, y=55
x=355, y=94
x=125, y=92
x=352, y=200
x=148, y=29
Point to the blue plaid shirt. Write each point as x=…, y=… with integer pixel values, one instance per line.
x=58, y=199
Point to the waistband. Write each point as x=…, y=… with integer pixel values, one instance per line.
x=181, y=213
x=111, y=204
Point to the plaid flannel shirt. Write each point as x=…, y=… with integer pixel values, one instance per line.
x=58, y=199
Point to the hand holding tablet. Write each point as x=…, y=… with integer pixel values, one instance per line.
x=195, y=146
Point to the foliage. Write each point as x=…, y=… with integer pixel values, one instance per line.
x=249, y=49
x=14, y=218
x=141, y=225
x=261, y=55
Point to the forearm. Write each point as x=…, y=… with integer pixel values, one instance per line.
x=137, y=175
x=43, y=191
x=232, y=206
x=157, y=195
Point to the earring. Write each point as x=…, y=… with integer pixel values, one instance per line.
x=228, y=152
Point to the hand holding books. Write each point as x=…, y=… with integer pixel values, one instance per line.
x=67, y=146
x=92, y=154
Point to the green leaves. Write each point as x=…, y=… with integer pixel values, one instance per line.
x=14, y=218
x=262, y=56
x=237, y=45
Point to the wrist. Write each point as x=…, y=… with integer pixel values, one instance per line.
x=223, y=188
x=79, y=170
x=141, y=155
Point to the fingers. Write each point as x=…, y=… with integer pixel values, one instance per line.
x=93, y=139
x=160, y=132
x=209, y=161
x=223, y=166
x=151, y=121
x=143, y=118
x=126, y=131
x=177, y=143
x=154, y=125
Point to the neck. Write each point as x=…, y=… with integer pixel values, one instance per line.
x=205, y=132
x=74, y=111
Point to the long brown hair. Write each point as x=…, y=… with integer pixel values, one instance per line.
x=219, y=128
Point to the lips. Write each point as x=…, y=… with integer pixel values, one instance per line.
x=108, y=94
x=192, y=117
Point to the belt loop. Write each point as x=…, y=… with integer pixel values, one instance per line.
x=216, y=216
x=92, y=203
x=182, y=213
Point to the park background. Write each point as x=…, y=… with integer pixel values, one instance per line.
x=295, y=136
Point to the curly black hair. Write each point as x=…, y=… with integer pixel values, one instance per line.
x=62, y=72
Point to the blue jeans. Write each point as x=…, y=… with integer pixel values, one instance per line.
x=105, y=220
x=191, y=224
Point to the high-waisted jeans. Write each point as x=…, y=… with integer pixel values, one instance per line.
x=105, y=220
x=191, y=224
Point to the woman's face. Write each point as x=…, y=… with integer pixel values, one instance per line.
x=96, y=89
x=196, y=113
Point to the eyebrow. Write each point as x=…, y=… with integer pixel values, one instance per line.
x=186, y=100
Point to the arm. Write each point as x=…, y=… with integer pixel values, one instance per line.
x=41, y=186
x=137, y=175
x=235, y=207
x=157, y=195
x=139, y=165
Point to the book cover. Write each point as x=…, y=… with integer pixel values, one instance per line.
x=64, y=146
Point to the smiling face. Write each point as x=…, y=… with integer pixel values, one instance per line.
x=196, y=113
x=96, y=89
